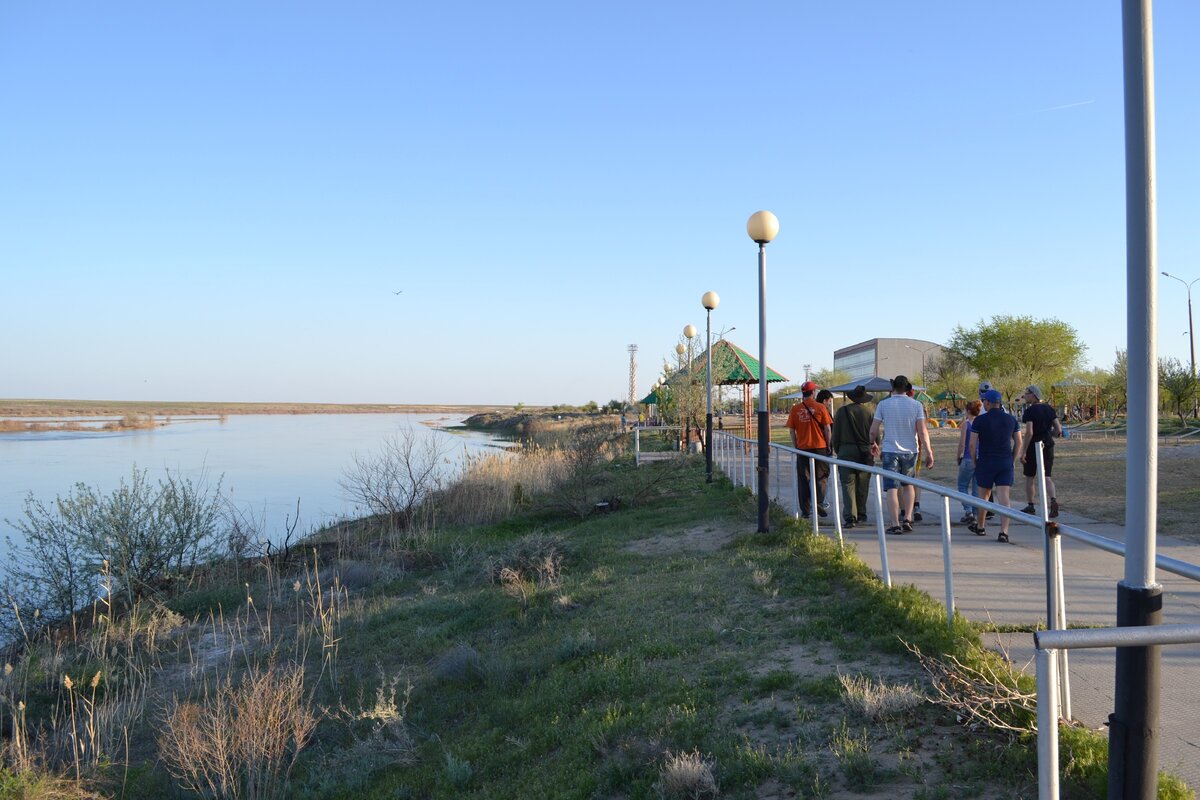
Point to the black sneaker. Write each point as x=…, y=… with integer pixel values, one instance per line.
x=849, y=522
x=1053, y=507
x=821, y=512
x=991, y=514
x=917, y=516
x=1029, y=509
x=906, y=526
x=862, y=517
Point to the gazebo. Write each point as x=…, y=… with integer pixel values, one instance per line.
x=733, y=366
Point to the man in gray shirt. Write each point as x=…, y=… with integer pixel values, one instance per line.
x=898, y=430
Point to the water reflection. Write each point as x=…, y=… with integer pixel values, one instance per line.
x=268, y=461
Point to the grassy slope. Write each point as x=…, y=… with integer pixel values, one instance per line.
x=674, y=630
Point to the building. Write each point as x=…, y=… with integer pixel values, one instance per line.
x=886, y=358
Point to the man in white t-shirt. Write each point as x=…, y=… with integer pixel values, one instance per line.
x=899, y=432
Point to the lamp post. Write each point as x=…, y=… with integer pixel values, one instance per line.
x=710, y=300
x=762, y=227
x=1191, y=337
x=924, y=379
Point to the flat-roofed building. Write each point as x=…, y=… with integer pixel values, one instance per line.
x=886, y=358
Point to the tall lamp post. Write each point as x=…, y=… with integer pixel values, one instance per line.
x=710, y=300
x=1191, y=337
x=924, y=379
x=762, y=227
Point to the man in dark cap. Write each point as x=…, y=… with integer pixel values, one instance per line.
x=1041, y=425
x=999, y=438
x=852, y=442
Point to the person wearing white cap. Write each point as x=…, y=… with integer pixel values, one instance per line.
x=1041, y=425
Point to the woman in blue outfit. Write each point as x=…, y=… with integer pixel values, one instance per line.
x=966, y=464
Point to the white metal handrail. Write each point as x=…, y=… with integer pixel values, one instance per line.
x=1047, y=644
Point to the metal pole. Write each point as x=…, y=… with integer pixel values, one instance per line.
x=1047, y=726
x=883, y=559
x=1133, y=747
x=1056, y=614
x=796, y=486
x=708, y=458
x=764, y=415
x=837, y=503
x=637, y=447
x=947, y=564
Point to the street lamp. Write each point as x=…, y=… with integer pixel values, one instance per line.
x=1191, y=337
x=710, y=300
x=924, y=379
x=762, y=227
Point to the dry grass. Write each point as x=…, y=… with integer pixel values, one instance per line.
x=493, y=486
x=687, y=776
x=241, y=740
x=877, y=700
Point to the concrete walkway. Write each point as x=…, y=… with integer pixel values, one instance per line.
x=1005, y=584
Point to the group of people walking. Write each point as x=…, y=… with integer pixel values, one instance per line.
x=990, y=442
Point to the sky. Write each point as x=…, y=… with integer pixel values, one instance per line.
x=478, y=202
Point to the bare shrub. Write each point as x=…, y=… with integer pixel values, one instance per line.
x=586, y=448
x=460, y=664
x=876, y=700
x=537, y=558
x=987, y=696
x=240, y=741
x=687, y=776
x=393, y=482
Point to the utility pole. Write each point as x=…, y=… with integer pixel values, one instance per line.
x=632, y=375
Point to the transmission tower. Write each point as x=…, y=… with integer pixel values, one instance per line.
x=632, y=374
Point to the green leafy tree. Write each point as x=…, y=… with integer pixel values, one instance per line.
x=1177, y=381
x=829, y=377
x=948, y=371
x=1013, y=352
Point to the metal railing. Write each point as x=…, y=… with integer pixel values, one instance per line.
x=1047, y=644
x=1054, y=693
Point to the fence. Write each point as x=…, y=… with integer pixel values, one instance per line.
x=737, y=458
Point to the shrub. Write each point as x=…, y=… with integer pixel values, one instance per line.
x=243, y=740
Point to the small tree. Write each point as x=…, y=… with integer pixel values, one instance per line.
x=393, y=482
x=1177, y=380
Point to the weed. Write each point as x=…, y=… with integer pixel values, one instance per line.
x=687, y=776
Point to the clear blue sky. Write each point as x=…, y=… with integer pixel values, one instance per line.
x=217, y=200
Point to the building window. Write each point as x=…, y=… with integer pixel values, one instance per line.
x=860, y=364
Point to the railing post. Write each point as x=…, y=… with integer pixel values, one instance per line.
x=1047, y=730
x=796, y=484
x=637, y=447
x=812, y=495
x=837, y=502
x=1056, y=614
x=947, y=564
x=879, y=526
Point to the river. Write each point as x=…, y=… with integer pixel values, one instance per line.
x=265, y=462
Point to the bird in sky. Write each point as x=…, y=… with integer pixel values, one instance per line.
x=399, y=292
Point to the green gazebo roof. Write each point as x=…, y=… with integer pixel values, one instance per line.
x=734, y=366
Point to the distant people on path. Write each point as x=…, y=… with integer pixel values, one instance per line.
x=852, y=442
x=994, y=443
x=1041, y=425
x=966, y=464
x=898, y=430
x=809, y=423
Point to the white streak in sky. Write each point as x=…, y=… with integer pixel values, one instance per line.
x=1069, y=105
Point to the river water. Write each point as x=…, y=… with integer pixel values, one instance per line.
x=265, y=462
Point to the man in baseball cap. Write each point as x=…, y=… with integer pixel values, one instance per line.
x=999, y=441
x=1041, y=425
x=809, y=423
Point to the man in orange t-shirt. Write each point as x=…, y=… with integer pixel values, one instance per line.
x=809, y=422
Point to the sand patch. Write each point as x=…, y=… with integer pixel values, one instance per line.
x=698, y=539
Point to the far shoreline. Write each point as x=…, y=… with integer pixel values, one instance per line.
x=43, y=408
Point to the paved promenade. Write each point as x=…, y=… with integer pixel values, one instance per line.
x=1005, y=583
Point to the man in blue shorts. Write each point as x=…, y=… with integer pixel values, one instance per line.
x=999, y=440
x=899, y=433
